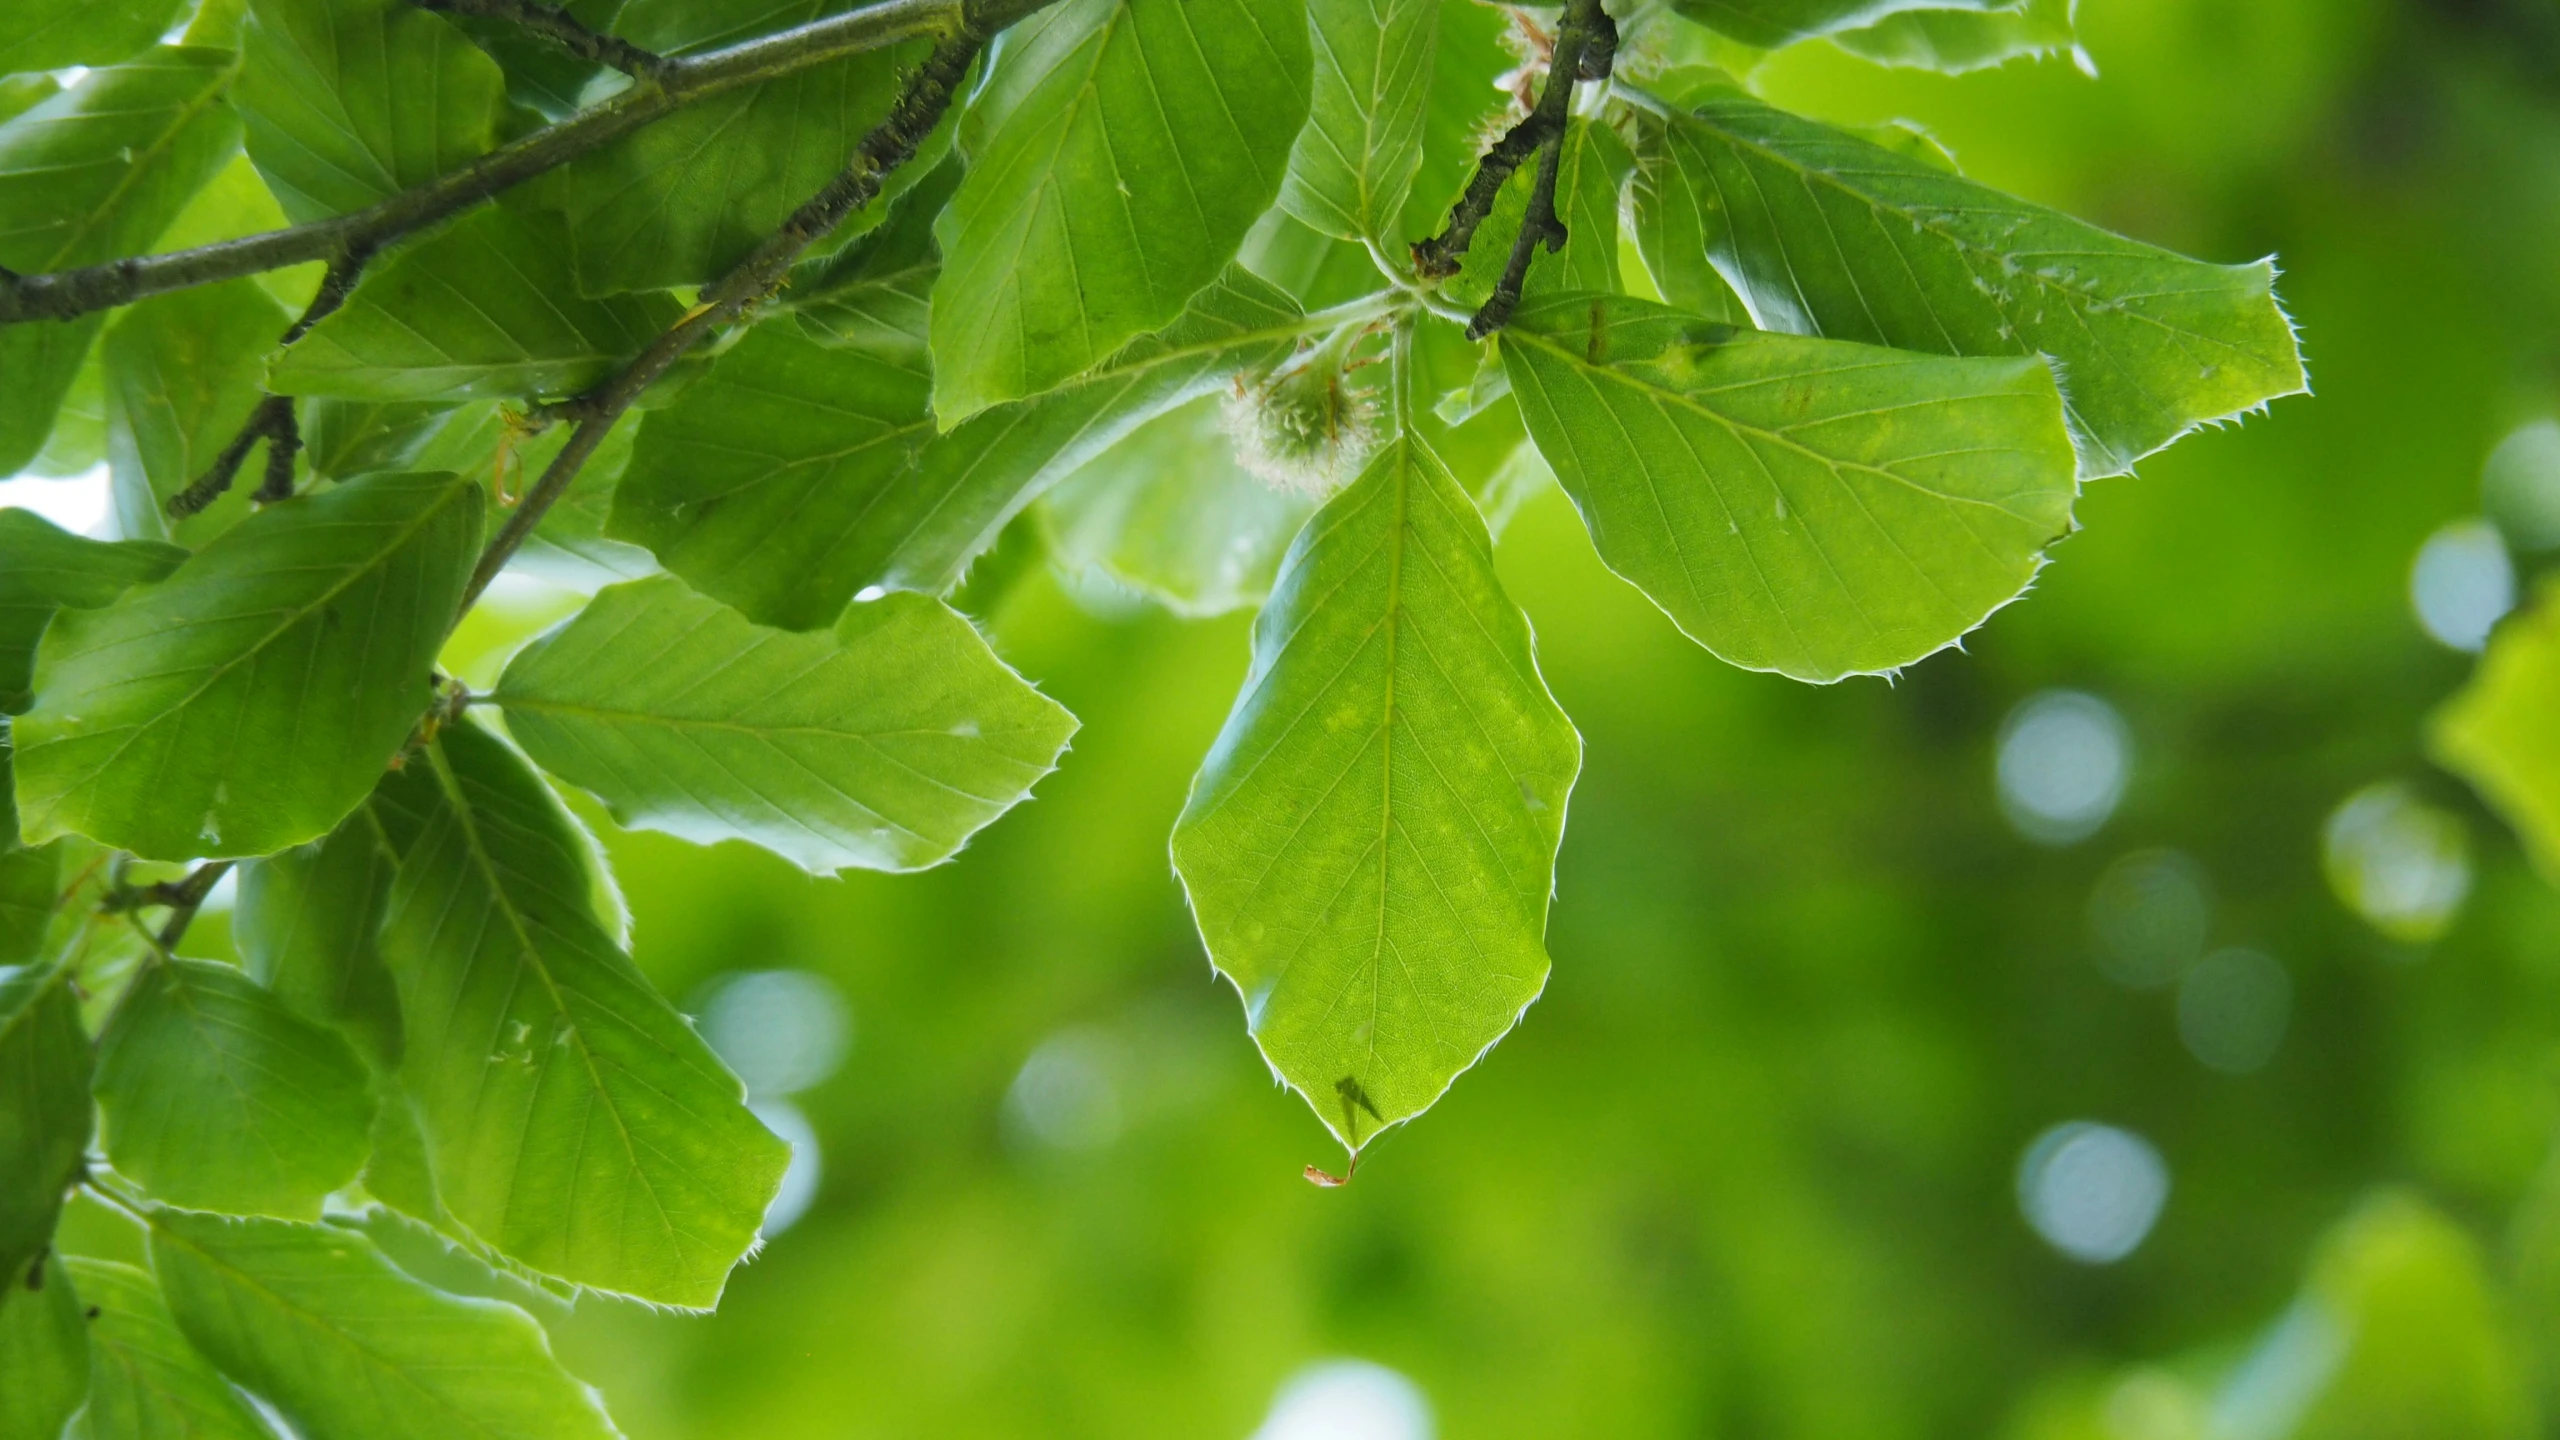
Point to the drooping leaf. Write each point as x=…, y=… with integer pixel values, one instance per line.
x=1771, y=23
x=215, y=1096
x=1824, y=233
x=250, y=700
x=573, y=1120
x=485, y=308
x=795, y=473
x=882, y=744
x=684, y=199
x=95, y=173
x=309, y=918
x=44, y=1353
x=1806, y=506
x=349, y=102
x=1118, y=153
x=2497, y=733
x=29, y=880
x=1354, y=162
x=182, y=372
x=314, y=1319
x=145, y=1381
x=1590, y=171
x=1956, y=41
x=1169, y=512
x=53, y=34
x=43, y=569
x=44, y=1110
x=1370, y=845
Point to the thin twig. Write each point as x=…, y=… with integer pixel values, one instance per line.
x=191, y=893
x=64, y=294
x=271, y=421
x=563, y=29
x=919, y=107
x=1586, y=45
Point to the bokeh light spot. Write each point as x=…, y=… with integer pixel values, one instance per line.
x=800, y=1180
x=1066, y=1096
x=2148, y=917
x=2463, y=584
x=2520, y=486
x=781, y=1030
x=2233, y=1008
x=2401, y=863
x=1348, y=1400
x=2092, y=1191
x=2064, y=760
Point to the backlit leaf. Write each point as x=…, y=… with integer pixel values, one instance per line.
x=349, y=102
x=250, y=700
x=44, y=1353
x=145, y=1381
x=182, y=372
x=1118, y=153
x=53, y=34
x=574, y=1121
x=1823, y=233
x=1956, y=41
x=1805, y=506
x=1354, y=162
x=215, y=1096
x=315, y=1320
x=882, y=744
x=1779, y=22
x=28, y=881
x=2497, y=732
x=44, y=1110
x=1370, y=845
x=43, y=569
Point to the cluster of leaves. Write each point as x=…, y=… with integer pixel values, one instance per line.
x=796, y=310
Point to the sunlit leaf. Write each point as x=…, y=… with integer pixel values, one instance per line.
x=1824, y=233
x=215, y=1096
x=1781, y=22
x=1355, y=160
x=1117, y=155
x=250, y=700
x=52, y=34
x=315, y=1320
x=1805, y=506
x=44, y=1352
x=145, y=1381
x=882, y=744
x=796, y=474
x=44, y=1110
x=349, y=102
x=484, y=308
x=573, y=1120
x=1370, y=845
x=96, y=173
x=1956, y=41
x=43, y=569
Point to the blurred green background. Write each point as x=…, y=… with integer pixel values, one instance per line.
x=1753, y=1165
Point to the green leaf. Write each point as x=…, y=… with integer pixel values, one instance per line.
x=44, y=1353
x=29, y=880
x=78, y=443
x=883, y=744
x=96, y=173
x=315, y=1320
x=1957, y=41
x=216, y=1096
x=2497, y=732
x=145, y=1381
x=349, y=102
x=182, y=372
x=44, y=568
x=1771, y=23
x=250, y=700
x=1118, y=153
x=1589, y=174
x=1806, y=506
x=1354, y=163
x=54, y=34
x=1169, y=512
x=1470, y=57
x=574, y=1121
x=1827, y=234
x=485, y=308
x=309, y=918
x=796, y=474
x=44, y=1110
x=1370, y=845
x=686, y=198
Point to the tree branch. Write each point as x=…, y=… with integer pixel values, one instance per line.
x=892, y=143
x=1586, y=46
x=183, y=896
x=64, y=294
x=273, y=420
x=563, y=29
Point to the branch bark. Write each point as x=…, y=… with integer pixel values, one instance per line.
x=562, y=29
x=65, y=294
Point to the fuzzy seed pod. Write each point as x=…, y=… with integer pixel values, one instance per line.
x=1305, y=428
